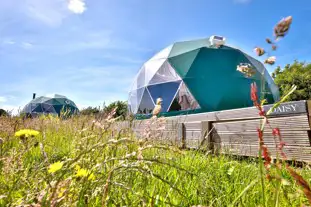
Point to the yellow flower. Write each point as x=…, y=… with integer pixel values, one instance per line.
x=61, y=192
x=84, y=173
x=55, y=167
x=81, y=173
x=77, y=167
x=91, y=177
x=26, y=133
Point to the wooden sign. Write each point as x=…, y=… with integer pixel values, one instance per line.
x=296, y=107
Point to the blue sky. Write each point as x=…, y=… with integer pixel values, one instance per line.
x=91, y=50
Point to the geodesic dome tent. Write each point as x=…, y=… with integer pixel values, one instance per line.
x=198, y=76
x=50, y=105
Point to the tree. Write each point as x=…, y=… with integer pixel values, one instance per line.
x=89, y=111
x=297, y=73
x=3, y=112
x=122, y=109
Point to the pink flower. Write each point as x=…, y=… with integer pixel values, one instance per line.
x=262, y=113
x=276, y=132
x=254, y=96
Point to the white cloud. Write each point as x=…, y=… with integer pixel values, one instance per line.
x=82, y=106
x=8, y=42
x=49, y=12
x=26, y=45
x=3, y=99
x=14, y=110
x=77, y=6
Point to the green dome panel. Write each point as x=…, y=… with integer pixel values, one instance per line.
x=213, y=77
x=183, y=62
x=187, y=46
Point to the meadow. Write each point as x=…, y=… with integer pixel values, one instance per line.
x=84, y=161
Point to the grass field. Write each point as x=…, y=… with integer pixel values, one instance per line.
x=77, y=162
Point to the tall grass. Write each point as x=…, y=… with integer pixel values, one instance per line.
x=125, y=171
x=86, y=161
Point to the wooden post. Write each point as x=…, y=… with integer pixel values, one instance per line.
x=309, y=111
x=182, y=135
x=309, y=115
x=206, y=135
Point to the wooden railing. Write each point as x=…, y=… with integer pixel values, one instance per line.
x=235, y=131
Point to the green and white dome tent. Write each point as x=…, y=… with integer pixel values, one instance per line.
x=54, y=104
x=198, y=75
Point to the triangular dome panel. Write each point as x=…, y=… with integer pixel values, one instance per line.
x=184, y=100
x=135, y=98
x=163, y=53
x=38, y=109
x=151, y=68
x=187, y=46
x=141, y=78
x=166, y=91
x=166, y=73
x=182, y=63
x=146, y=104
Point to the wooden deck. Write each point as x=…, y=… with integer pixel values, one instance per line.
x=235, y=131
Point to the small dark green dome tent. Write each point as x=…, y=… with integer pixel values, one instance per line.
x=198, y=76
x=50, y=105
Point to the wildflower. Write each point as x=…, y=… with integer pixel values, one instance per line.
x=260, y=135
x=81, y=173
x=254, y=95
x=300, y=181
x=91, y=176
x=265, y=154
x=84, y=173
x=274, y=47
x=254, y=98
x=259, y=51
x=55, y=167
x=268, y=41
x=61, y=192
x=281, y=29
x=25, y=133
x=276, y=132
x=246, y=69
x=271, y=60
x=264, y=149
x=262, y=113
x=281, y=145
x=111, y=114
